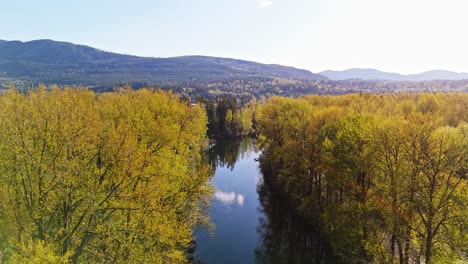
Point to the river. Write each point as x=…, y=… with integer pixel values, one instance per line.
x=252, y=225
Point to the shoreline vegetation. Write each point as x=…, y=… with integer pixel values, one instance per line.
x=116, y=177
x=121, y=176
x=228, y=118
x=384, y=175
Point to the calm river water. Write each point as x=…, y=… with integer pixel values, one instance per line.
x=251, y=223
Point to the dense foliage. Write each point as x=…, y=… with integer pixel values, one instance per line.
x=386, y=175
x=260, y=88
x=27, y=64
x=227, y=118
x=110, y=178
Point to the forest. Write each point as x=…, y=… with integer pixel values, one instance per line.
x=228, y=118
x=123, y=176
x=244, y=90
x=263, y=88
x=86, y=178
x=385, y=176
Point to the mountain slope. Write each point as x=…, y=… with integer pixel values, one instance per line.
x=364, y=74
x=438, y=75
x=63, y=62
x=372, y=74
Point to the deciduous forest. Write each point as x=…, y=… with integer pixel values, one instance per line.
x=234, y=132
x=123, y=177
x=109, y=178
x=385, y=176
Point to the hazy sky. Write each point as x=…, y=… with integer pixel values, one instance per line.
x=406, y=36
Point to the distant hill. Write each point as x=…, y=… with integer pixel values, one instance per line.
x=363, y=74
x=66, y=63
x=439, y=75
x=372, y=74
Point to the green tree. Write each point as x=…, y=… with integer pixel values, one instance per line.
x=114, y=178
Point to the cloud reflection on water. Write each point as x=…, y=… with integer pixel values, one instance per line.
x=240, y=200
x=229, y=197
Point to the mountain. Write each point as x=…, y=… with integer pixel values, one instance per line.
x=439, y=75
x=67, y=63
x=372, y=74
x=364, y=74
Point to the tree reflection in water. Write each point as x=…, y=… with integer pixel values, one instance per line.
x=228, y=152
x=284, y=237
x=260, y=229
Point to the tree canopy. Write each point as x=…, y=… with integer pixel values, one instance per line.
x=111, y=178
x=386, y=175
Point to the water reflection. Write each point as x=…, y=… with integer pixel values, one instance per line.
x=234, y=206
x=284, y=237
x=251, y=224
x=229, y=197
x=228, y=152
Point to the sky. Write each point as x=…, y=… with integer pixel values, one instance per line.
x=405, y=36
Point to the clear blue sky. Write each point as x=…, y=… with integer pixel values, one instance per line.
x=405, y=36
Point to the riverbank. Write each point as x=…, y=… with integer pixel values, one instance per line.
x=252, y=224
x=285, y=200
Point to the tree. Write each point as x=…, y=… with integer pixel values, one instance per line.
x=385, y=175
x=114, y=178
x=439, y=198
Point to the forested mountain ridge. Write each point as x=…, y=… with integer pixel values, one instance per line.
x=27, y=64
x=373, y=74
x=67, y=63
